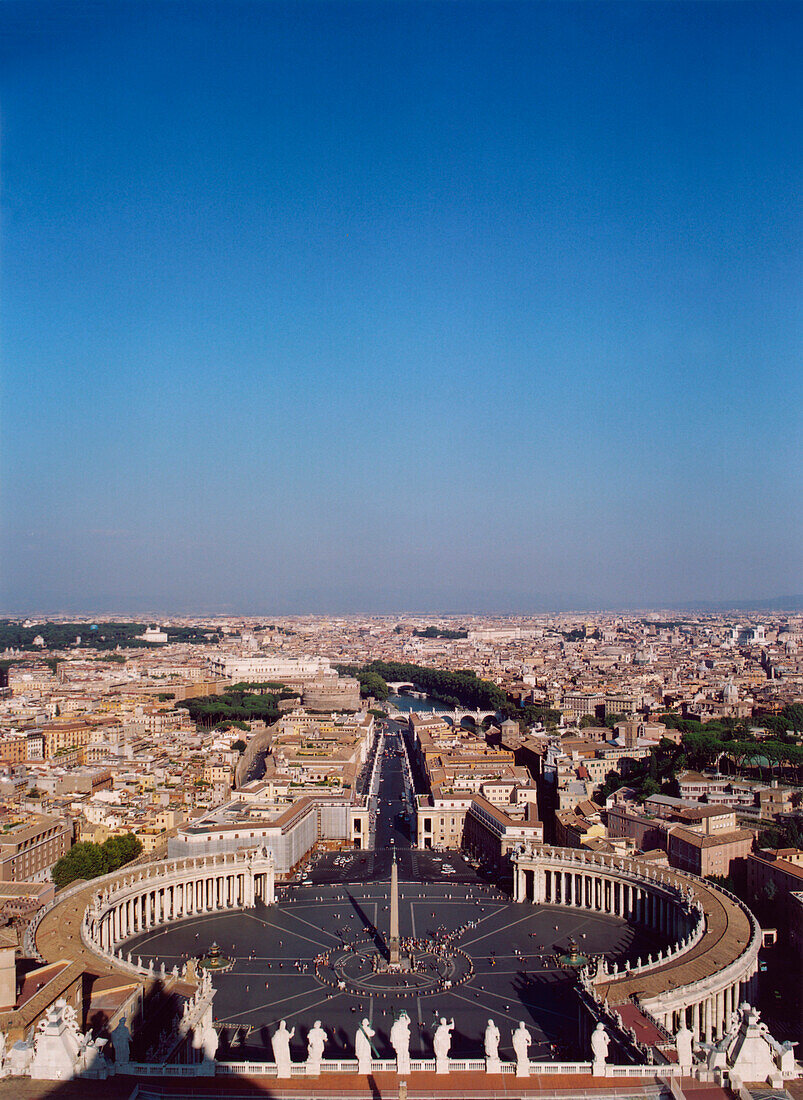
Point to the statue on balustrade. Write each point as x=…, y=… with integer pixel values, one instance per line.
x=683, y=1045
x=362, y=1046
x=521, y=1046
x=442, y=1042
x=599, y=1049
x=492, y=1037
x=316, y=1041
x=121, y=1043
x=400, y=1041
x=280, y=1042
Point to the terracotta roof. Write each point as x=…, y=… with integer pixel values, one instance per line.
x=711, y=840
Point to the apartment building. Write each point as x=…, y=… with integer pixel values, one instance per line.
x=704, y=854
x=30, y=847
x=62, y=735
x=13, y=748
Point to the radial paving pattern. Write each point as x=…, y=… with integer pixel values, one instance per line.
x=291, y=958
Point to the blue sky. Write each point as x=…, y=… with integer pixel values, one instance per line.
x=399, y=306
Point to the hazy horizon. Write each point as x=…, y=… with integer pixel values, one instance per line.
x=359, y=306
x=774, y=605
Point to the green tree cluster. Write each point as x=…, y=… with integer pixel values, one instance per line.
x=372, y=684
x=88, y=860
x=463, y=686
x=529, y=714
x=13, y=635
x=787, y=835
x=235, y=706
x=435, y=632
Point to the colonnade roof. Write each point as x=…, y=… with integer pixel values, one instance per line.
x=59, y=933
x=727, y=934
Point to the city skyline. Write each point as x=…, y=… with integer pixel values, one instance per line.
x=376, y=307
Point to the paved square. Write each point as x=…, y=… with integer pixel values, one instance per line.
x=511, y=947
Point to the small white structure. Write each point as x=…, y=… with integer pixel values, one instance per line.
x=18, y=1061
x=59, y=1046
x=748, y=1052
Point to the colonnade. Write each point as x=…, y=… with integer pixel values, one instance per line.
x=172, y=891
x=671, y=903
x=597, y=890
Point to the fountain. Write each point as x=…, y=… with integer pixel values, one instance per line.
x=214, y=962
x=573, y=959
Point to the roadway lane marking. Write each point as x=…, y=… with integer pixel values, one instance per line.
x=489, y=1008
x=498, y=931
x=270, y=1004
x=309, y=924
x=278, y=928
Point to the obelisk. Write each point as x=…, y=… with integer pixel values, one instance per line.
x=393, y=943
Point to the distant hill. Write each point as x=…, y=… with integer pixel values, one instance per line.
x=792, y=604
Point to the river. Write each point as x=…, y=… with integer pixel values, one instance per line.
x=408, y=702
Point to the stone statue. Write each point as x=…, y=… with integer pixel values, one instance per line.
x=92, y=1062
x=400, y=1041
x=280, y=1043
x=492, y=1038
x=316, y=1041
x=210, y=1043
x=19, y=1059
x=441, y=1043
x=362, y=1047
x=599, y=1049
x=683, y=1045
x=521, y=1047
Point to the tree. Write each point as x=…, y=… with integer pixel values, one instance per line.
x=87, y=860
x=238, y=746
x=648, y=787
x=372, y=684
x=463, y=685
